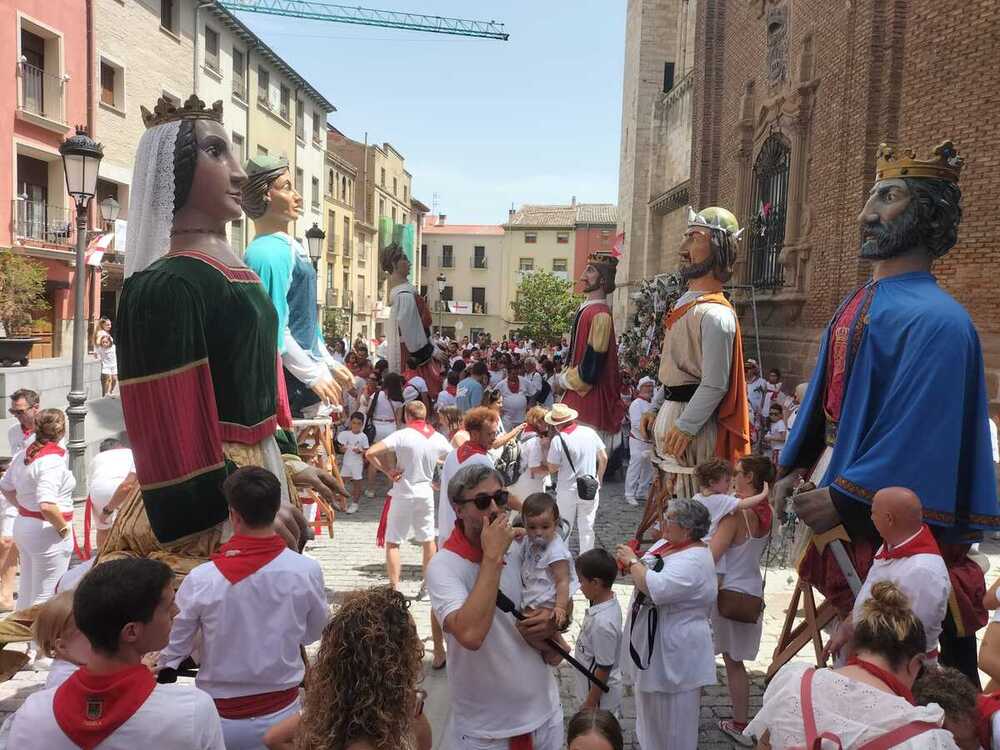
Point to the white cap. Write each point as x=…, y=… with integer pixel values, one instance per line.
x=646, y=381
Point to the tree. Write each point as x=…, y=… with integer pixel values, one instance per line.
x=545, y=306
x=336, y=323
x=22, y=290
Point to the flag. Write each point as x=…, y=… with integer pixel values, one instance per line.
x=616, y=248
x=96, y=249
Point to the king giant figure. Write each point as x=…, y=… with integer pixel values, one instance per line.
x=898, y=397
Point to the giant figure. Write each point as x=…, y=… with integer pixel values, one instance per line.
x=311, y=374
x=197, y=337
x=898, y=397
x=705, y=412
x=592, y=379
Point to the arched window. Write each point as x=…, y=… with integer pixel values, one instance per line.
x=343, y=188
x=768, y=207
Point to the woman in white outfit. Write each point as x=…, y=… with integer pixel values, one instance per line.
x=41, y=485
x=669, y=657
x=738, y=545
x=534, y=450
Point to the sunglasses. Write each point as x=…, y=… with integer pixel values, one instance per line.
x=483, y=499
x=19, y=412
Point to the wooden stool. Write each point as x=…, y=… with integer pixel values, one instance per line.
x=794, y=637
x=325, y=514
x=315, y=442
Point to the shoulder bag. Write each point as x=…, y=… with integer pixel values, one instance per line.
x=369, y=429
x=740, y=607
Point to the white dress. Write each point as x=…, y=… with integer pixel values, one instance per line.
x=854, y=711
x=740, y=640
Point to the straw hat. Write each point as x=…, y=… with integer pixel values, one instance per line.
x=561, y=414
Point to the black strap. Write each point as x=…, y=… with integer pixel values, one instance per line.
x=652, y=623
x=371, y=406
x=566, y=451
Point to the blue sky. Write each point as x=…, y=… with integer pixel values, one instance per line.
x=482, y=123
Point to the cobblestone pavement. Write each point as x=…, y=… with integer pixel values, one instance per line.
x=351, y=560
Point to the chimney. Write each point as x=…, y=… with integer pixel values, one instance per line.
x=441, y=218
x=572, y=203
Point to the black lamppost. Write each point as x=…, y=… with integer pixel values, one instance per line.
x=81, y=157
x=314, y=239
x=441, y=283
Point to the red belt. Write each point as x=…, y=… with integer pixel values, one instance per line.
x=35, y=514
x=251, y=706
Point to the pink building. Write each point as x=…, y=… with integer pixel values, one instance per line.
x=44, y=50
x=595, y=231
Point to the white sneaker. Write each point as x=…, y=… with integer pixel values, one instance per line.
x=632, y=501
x=352, y=508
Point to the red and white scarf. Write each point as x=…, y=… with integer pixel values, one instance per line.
x=468, y=449
x=90, y=707
x=36, y=450
x=422, y=427
x=243, y=556
x=923, y=543
x=459, y=543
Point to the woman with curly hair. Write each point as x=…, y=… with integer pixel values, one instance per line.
x=361, y=692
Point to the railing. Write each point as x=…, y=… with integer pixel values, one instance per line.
x=446, y=261
x=479, y=263
x=38, y=221
x=331, y=297
x=41, y=92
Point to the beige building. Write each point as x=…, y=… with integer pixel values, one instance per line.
x=655, y=159
x=340, y=259
x=469, y=257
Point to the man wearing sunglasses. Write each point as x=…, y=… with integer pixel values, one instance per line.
x=501, y=689
x=23, y=407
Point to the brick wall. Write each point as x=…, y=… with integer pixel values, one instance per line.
x=913, y=73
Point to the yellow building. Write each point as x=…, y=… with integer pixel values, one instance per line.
x=337, y=267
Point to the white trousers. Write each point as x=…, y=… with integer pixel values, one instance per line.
x=639, y=476
x=581, y=514
x=549, y=736
x=44, y=559
x=667, y=721
x=248, y=734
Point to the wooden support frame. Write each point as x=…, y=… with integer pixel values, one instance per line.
x=795, y=636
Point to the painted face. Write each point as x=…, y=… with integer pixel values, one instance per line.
x=591, y=279
x=473, y=519
x=215, y=190
x=695, y=254
x=23, y=413
x=888, y=222
x=541, y=529
x=283, y=201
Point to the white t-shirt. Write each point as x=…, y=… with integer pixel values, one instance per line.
x=599, y=645
x=584, y=446
x=250, y=632
x=719, y=506
x=174, y=717
x=636, y=410
x=419, y=383
x=496, y=377
x=504, y=688
x=446, y=514
x=776, y=435
x=355, y=445
x=531, y=458
x=109, y=359
x=444, y=399
x=515, y=405
x=46, y=479
x=417, y=454
x=107, y=471
x=539, y=586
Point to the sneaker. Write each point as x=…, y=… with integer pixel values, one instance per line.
x=734, y=732
x=352, y=508
x=632, y=501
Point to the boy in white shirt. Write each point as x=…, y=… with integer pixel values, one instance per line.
x=774, y=438
x=255, y=605
x=417, y=449
x=715, y=479
x=598, y=647
x=352, y=470
x=124, y=608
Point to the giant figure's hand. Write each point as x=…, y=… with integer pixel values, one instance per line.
x=342, y=376
x=676, y=443
x=328, y=390
x=783, y=489
x=325, y=484
x=291, y=525
x=816, y=509
x=646, y=424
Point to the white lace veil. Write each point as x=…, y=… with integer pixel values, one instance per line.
x=151, y=199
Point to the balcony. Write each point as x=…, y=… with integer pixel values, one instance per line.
x=446, y=261
x=42, y=98
x=346, y=300
x=478, y=263
x=331, y=298
x=52, y=225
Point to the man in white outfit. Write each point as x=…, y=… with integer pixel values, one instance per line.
x=576, y=451
x=639, y=476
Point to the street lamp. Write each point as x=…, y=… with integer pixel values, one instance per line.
x=441, y=283
x=109, y=209
x=81, y=157
x=314, y=239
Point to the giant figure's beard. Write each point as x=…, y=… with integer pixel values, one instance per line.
x=697, y=270
x=889, y=240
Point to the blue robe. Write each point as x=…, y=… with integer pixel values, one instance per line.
x=914, y=410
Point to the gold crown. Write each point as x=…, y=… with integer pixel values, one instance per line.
x=946, y=164
x=193, y=109
x=602, y=258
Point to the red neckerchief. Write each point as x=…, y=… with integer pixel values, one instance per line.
x=422, y=427
x=452, y=389
x=408, y=375
x=468, y=449
x=922, y=544
x=567, y=429
x=671, y=547
x=513, y=385
x=891, y=681
x=90, y=707
x=458, y=543
x=243, y=556
x=26, y=432
x=529, y=430
x=36, y=450
x=987, y=704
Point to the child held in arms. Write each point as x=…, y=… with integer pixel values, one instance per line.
x=547, y=570
x=715, y=479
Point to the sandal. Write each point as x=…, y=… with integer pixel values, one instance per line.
x=732, y=730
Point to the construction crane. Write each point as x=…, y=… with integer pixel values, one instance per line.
x=320, y=11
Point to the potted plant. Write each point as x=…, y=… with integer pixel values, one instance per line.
x=22, y=290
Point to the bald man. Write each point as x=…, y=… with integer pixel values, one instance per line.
x=910, y=558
